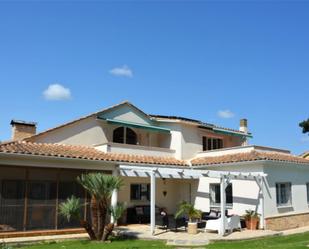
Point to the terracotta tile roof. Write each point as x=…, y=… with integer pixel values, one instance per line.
x=249, y=156
x=305, y=154
x=82, y=152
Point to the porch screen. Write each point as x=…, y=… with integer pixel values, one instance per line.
x=41, y=205
x=12, y=205
x=32, y=204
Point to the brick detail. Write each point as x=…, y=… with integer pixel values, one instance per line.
x=20, y=131
x=287, y=222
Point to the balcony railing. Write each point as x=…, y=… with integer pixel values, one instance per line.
x=135, y=149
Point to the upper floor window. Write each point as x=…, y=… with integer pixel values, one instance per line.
x=210, y=143
x=283, y=194
x=124, y=135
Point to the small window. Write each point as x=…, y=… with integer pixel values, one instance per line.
x=140, y=192
x=283, y=194
x=215, y=199
x=204, y=143
x=124, y=135
x=307, y=192
x=212, y=143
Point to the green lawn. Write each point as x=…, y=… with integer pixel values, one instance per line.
x=299, y=241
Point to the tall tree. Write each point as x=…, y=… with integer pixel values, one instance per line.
x=305, y=125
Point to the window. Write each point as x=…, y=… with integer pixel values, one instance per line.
x=215, y=200
x=212, y=143
x=124, y=135
x=283, y=194
x=140, y=192
x=118, y=135
x=307, y=192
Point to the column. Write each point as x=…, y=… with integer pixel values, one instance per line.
x=222, y=206
x=152, y=202
x=114, y=199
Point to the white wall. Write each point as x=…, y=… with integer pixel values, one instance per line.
x=298, y=175
x=88, y=131
x=245, y=193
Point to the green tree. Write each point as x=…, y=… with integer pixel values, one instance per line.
x=100, y=187
x=305, y=125
x=71, y=209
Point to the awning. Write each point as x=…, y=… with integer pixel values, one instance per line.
x=233, y=133
x=136, y=125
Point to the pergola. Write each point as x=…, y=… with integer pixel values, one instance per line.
x=225, y=177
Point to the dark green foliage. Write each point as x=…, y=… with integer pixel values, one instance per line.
x=305, y=125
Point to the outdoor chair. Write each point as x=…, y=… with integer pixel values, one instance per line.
x=212, y=215
x=232, y=223
x=164, y=220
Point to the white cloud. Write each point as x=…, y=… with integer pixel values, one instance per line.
x=123, y=71
x=225, y=114
x=57, y=92
x=304, y=139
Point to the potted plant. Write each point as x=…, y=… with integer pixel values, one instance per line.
x=193, y=214
x=252, y=219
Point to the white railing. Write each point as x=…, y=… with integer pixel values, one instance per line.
x=135, y=149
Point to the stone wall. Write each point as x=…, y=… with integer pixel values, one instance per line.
x=284, y=222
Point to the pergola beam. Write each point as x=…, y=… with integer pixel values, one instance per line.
x=185, y=173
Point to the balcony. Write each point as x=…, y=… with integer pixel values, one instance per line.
x=135, y=149
x=239, y=149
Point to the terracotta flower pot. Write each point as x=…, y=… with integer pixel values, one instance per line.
x=252, y=223
x=192, y=227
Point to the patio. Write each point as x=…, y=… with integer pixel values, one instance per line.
x=183, y=238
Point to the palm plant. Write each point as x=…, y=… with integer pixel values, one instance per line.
x=115, y=212
x=71, y=209
x=100, y=187
x=187, y=209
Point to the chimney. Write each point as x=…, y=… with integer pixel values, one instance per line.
x=22, y=129
x=243, y=126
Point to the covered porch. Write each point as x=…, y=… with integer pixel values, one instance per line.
x=166, y=187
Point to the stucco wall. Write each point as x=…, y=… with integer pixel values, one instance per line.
x=298, y=175
x=85, y=132
x=192, y=138
x=177, y=191
x=245, y=193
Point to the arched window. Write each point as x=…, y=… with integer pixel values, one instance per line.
x=124, y=135
x=118, y=135
x=131, y=137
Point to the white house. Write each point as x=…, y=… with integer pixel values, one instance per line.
x=179, y=159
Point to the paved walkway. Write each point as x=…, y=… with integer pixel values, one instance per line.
x=143, y=232
x=180, y=238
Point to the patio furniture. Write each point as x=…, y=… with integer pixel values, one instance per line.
x=212, y=215
x=232, y=223
x=180, y=222
x=139, y=214
x=164, y=220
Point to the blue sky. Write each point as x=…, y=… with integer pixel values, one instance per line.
x=195, y=59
